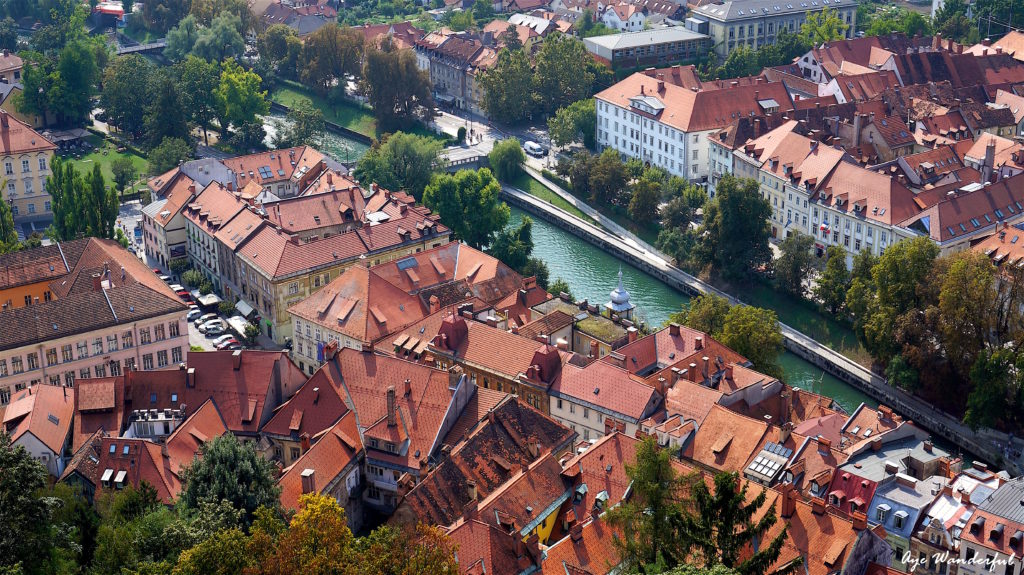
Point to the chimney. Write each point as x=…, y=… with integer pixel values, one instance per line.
x=860, y=520
x=3, y=119
x=936, y=41
x=308, y=481
x=435, y=304
x=454, y=376
x=304, y=442
x=471, y=489
x=673, y=329
x=661, y=387
x=632, y=333
x=576, y=533
x=818, y=506
x=190, y=377
x=392, y=419
x=704, y=368
x=562, y=344
x=784, y=431
x=698, y=343
x=533, y=446
x=97, y=282
x=824, y=445
x=692, y=370
x=728, y=372
x=787, y=404
x=857, y=119
x=788, y=500
x=236, y=359
x=408, y=387
x=928, y=446
x=990, y=160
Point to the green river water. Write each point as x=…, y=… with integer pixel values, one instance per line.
x=592, y=274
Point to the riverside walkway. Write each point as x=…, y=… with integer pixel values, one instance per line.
x=988, y=444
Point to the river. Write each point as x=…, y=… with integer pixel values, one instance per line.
x=591, y=274
x=337, y=146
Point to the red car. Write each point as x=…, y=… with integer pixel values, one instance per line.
x=157, y=271
x=185, y=296
x=226, y=344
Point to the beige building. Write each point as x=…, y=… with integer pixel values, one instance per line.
x=26, y=157
x=100, y=312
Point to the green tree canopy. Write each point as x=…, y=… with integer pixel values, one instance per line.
x=328, y=55
x=735, y=232
x=822, y=27
x=562, y=74
x=573, y=123
x=401, y=162
x=794, y=265
x=229, y=471
x=506, y=159
x=506, y=97
x=397, y=90
x=240, y=97
x=469, y=203
x=168, y=154
x=755, y=334
x=834, y=281
x=221, y=40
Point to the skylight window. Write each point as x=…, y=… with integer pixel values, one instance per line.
x=975, y=222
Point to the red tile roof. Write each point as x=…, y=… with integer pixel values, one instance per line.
x=138, y=460
x=491, y=455
x=867, y=194
x=43, y=411
x=526, y=499
x=474, y=343
x=725, y=441
x=278, y=165
x=214, y=207
x=591, y=553
x=815, y=461
x=483, y=401
x=825, y=541
x=99, y=405
x=336, y=449
x=317, y=406
x=691, y=111
x=671, y=346
x=202, y=425
x=485, y=549
x=607, y=387
x=17, y=137
x=602, y=468
x=847, y=488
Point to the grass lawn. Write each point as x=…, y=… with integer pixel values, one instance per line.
x=104, y=153
x=346, y=114
x=531, y=186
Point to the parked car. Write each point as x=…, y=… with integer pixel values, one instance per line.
x=223, y=338
x=235, y=346
x=193, y=314
x=534, y=149
x=226, y=343
x=177, y=287
x=205, y=318
x=165, y=279
x=158, y=272
x=213, y=323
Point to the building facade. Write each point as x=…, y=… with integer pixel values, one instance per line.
x=26, y=158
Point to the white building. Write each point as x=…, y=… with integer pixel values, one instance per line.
x=624, y=17
x=647, y=117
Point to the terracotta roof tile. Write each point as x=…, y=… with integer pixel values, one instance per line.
x=99, y=406
x=474, y=343
x=335, y=450
x=607, y=387
x=134, y=461
x=43, y=411
x=592, y=553
x=485, y=549
x=202, y=425
x=17, y=137
x=726, y=440
x=317, y=406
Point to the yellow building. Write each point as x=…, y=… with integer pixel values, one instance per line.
x=25, y=160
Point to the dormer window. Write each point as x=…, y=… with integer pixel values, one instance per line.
x=881, y=511
x=834, y=500
x=899, y=519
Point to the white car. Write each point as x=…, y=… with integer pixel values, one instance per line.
x=223, y=338
x=205, y=318
x=205, y=327
x=177, y=287
x=533, y=148
x=214, y=329
x=193, y=314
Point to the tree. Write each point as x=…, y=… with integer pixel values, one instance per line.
x=168, y=154
x=901, y=374
x=231, y=471
x=8, y=232
x=996, y=388
x=207, y=11
x=796, y=262
x=561, y=73
x=305, y=126
x=506, y=159
x=240, y=98
x=226, y=553
x=166, y=116
x=221, y=40
x=192, y=277
x=401, y=162
x=575, y=122
x=199, y=81
x=720, y=527
x=755, y=334
x=510, y=37
x=735, y=232
x=822, y=27
x=469, y=201
x=318, y=540
x=504, y=96
x=395, y=87
x=82, y=206
x=124, y=172
x=743, y=61
x=272, y=43
x=329, y=54
x=423, y=549
x=834, y=282
x=560, y=286
x=968, y=306
x=705, y=313
x=643, y=205
x=513, y=245
x=127, y=83
x=74, y=81
x=162, y=15
x=27, y=539
x=460, y=20
x=182, y=39
x=607, y=178
x=8, y=34
x=649, y=518
x=252, y=331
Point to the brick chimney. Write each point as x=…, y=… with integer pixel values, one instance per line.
x=788, y=500
x=190, y=377
x=698, y=343
x=692, y=371
x=818, y=506
x=471, y=489
x=860, y=520
x=408, y=387
x=576, y=533
x=435, y=304
x=236, y=359
x=97, y=282
x=308, y=481
x=632, y=333
x=392, y=417
x=304, y=443
x=673, y=329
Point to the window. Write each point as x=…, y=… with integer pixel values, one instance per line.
x=115, y=367
x=42, y=164
x=5, y=396
x=66, y=353
x=8, y=168
x=101, y=370
x=51, y=356
x=111, y=343
x=97, y=346
x=173, y=329
x=176, y=354
x=129, y=363
x=3, y=368
x=899, y=518
x=33, y=361
x=84, y=373
x=161, y=358
x=126, y=340
x=25, y=167
x=559, y=401
x=586, y=413
x=834, y=500
x=147, y=361
x=144, y=336
x=294, y=453
x=970, y=554
x=158, y=332
x=572, y=408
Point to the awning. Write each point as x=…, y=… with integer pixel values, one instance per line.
x=244, y=308
x=119, y=479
